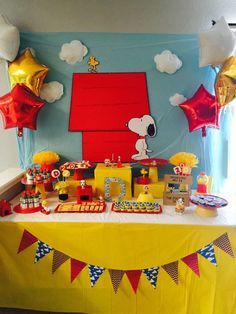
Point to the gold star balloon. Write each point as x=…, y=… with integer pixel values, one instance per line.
x=26, y=70
x=225, y=84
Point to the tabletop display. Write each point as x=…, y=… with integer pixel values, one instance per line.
x=103, y=225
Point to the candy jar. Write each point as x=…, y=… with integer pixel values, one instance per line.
x=202, y=182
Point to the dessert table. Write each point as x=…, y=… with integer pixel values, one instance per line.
x=118, y=241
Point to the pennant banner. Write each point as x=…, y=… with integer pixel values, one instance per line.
x=209, y=253
x=192, y=262
x=58, y=259
x=42, y=250
x=134, y=276
x=224, y=244
x=26, y=240
x=75, y=268
x=172, y=270
x=116, y=277
x=152, y=275
x=94, y=273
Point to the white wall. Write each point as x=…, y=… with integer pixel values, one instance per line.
x=8, y=148
x=168, y=16
x=158, y=16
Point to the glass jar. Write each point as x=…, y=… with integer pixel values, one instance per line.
x=202, y=182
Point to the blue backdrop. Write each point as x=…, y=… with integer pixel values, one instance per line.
x=128, y=53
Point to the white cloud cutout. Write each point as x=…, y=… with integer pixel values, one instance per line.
x=216, y=44
x=167, y=62
x=177, y=99
x=51, y=91
x=73, y=52
x=9, y=39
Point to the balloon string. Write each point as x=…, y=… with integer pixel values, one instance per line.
x=20, y=132
x=214, y=69
x=204, y=153
x=204, y=131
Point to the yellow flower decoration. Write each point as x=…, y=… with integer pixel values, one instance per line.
x=189, y=159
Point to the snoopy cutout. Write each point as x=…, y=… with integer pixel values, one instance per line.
x=144, y=126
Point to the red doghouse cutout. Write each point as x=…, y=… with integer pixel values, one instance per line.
x=101, y=106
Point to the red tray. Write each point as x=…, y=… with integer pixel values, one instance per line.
x=57, y=209
x=19, y=210
x=153, y=162
x=137, y=211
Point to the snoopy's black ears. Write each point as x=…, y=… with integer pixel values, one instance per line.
x=151, y=130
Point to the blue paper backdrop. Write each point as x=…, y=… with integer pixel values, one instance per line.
x=128, y=53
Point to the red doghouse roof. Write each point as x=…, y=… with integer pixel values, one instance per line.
x=107, y=101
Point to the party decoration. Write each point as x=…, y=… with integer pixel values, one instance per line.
x=216, y=44
x=27, y=240
x=76, y=268
x=116, y=277
x=9, y=39
x=20, y=108
x=26, y=70
x=58, y=259
x=167, y=62
x=224, y=244
x=42, y=250
x=73, y=52
x=134, y=277
x=93, y=62
x=107, y=188
x=202, y=111
x=82, y=207
x=208, y=253
x=51, y=91
x=207, y=204
x=177, y=99
x=177, y=187
x=46, y=159
x=94, y=273
x=144, y=126
x=5, y=208
x=192, y=262
x=55, y=173
x=172, y=270
x=225, y=84
x=152, y=275
x=183, y=162
x=126, y=97
x=137, y=207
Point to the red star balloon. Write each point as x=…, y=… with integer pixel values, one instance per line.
x=202, y=111
x=20, y=108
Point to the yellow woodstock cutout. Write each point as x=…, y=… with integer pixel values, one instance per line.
x=93, y=62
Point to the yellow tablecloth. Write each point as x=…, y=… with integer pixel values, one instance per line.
x=24, y=284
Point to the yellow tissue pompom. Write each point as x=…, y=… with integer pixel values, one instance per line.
x=189, y=159
x=45, y=157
